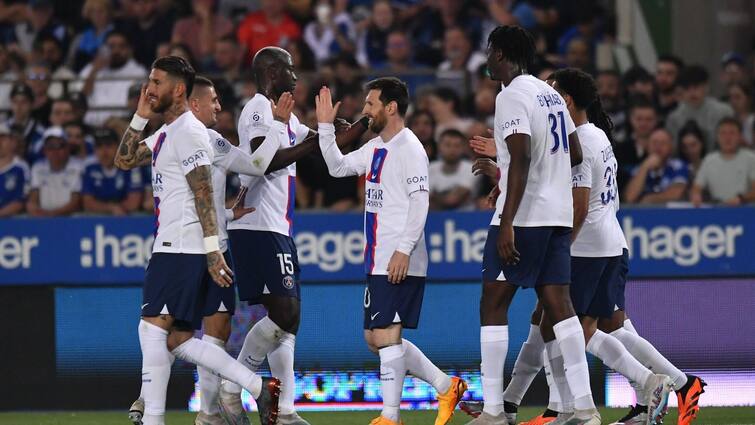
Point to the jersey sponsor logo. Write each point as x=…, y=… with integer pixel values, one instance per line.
x=222, y=146
x=194, y=159
x=158, y=147
x=157, y=182
x=376, y=168
x=373, y=198
x=288, y=282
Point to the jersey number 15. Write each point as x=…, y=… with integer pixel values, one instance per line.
x=554, y=122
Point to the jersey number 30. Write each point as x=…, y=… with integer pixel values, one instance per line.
x=555, y=133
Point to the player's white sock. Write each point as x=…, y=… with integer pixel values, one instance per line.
x=494, y=343
x=639, y=391
x=556, y=363
x=554, y=398
x=209, y=383
x=571, y=341
x=260, y=340
x=528, y=364
x=420, y=366
x=644, y=351
x=281, y=361
x=156, y=361
x=614, y=355
x=218, y=361
x=392, y=373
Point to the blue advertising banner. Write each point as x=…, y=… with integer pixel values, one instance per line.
x=107, y=250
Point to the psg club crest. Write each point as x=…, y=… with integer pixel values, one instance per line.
x=288, y=282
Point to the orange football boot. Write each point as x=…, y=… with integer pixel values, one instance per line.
x=382, y=420
x=447, y=402
x=687, y=397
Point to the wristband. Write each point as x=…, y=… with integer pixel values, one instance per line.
x=211, y=244
x=138, y=123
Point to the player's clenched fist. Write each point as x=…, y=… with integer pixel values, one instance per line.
x=219, y=270
x=282, y=110
x=324, y=109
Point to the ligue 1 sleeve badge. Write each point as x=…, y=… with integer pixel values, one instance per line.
x=288, y=282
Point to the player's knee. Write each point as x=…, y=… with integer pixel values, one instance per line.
x=177, y=337
x=287, y=317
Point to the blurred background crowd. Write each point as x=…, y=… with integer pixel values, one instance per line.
x=70, y=74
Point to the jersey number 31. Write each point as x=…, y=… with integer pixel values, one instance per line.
x=556, y=132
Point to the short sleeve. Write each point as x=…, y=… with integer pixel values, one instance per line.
x=415, y=164
x=193, y=150
x=87, y=182
x=222, y=150
x=513, y=112
x=581, y=175
x=301, y=131
x=569, y=123
x=18, y=191
x=255, y=120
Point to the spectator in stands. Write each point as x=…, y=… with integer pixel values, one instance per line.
x=372, y=45
x=226, y=126
x=422, y=124
x=733, y=69
x=99, y=14
x=726, y=176
x=40, y=22
x=696, y=105
x=430, y=25
x=484, y=106
x=38, y=77
x=610, y=92
x=330, y=33
x=400, y=62
x=667, y=71
x=740, y=100
x=202, y=29
x=79, y=142
x=61, y=112
x=55, y=183
x=269, y=26
x=458, y=52
x=7, y=75
x=445, y=106
x=21, y=100
x=691, y=144
x=105, y=189
x=638, y=81
x=80, y=106
x=227, y=58
x=660, y=178
x=14, y=175
x=108, y=78
x=643, y=120
x=147, y=27
x=578, y=55
x=451, y=174
x=50, y=51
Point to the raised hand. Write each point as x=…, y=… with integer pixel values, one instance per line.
x=282, y=110
x=483, y=145
x=142, y=107
x=485, y=166
x=324, y=109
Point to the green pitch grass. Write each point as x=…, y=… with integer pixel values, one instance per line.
x=708, y=416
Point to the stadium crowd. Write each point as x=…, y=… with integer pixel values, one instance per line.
x=70, y=77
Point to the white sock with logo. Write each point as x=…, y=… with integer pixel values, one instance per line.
x=281, y=361
x=420, y=366
x=392, y=373
x=209, y=383
x=614, y=355
x=556, y=364
x=494, y=343
x=260, y=340
x=218, y=361
x=156, y=361
x=646, y=354
x=571, y=341
x=528, y=364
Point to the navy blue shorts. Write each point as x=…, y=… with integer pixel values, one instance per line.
x=266, y=263
x=219, y=299
x=386, y=304
x=622, y=282
x=176, y=284
x=544, y=257
x=595, y=284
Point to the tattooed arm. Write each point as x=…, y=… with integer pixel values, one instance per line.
x=200, y=182
x=131, y=153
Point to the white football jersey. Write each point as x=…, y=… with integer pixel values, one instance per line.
x=273, y=195
x=530, y=106
x=177, y=149
x=393, y=171
x=601, y=234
